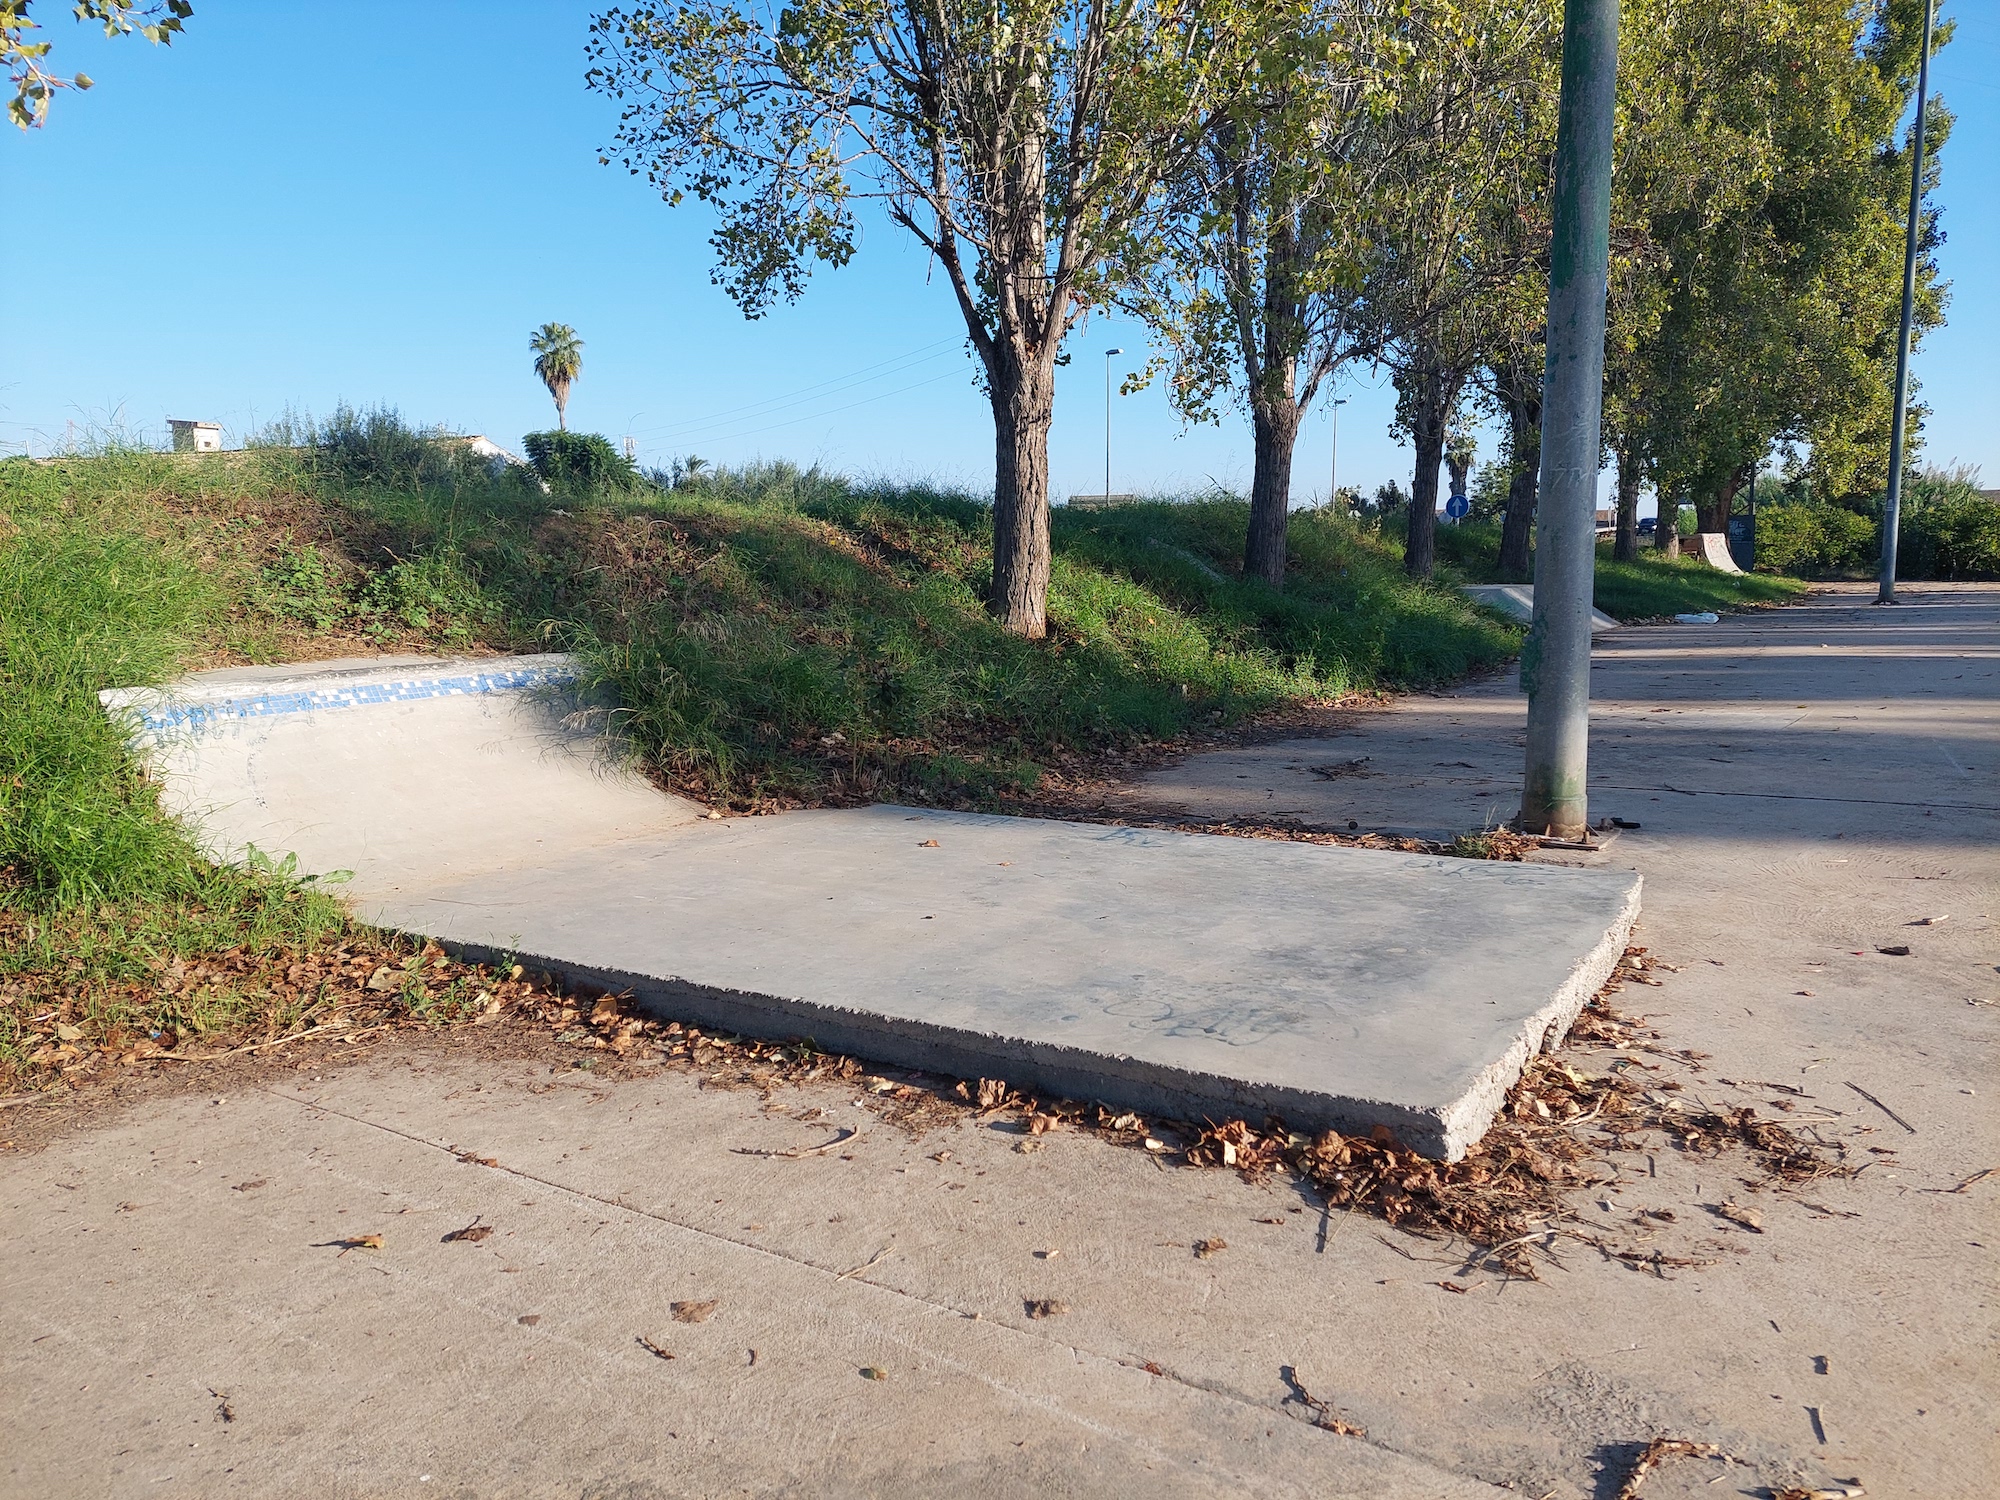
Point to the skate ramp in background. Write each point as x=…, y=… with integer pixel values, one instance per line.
x=1187, y=975
x=1714, y=547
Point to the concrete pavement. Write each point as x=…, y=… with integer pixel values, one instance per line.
x=1824, y=777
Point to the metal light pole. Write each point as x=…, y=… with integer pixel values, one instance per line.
x=1892, y=507
x=1333, y=463
x=1555, y=661
x=1108, y=355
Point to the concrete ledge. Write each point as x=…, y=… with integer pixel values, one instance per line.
x=1196, y=976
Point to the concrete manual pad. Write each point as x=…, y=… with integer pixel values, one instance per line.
x=1185, y=974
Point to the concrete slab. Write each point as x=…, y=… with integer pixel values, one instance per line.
x=1517, y=602
x=1182, y=974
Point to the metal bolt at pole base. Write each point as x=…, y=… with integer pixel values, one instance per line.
x=1892, y=505
x=1555, y=660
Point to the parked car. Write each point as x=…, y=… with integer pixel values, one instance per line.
x=1647, y=524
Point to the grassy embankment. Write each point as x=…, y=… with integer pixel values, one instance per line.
x=1651, y=588
x=776, y=637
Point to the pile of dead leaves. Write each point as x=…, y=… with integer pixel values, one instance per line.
x=1509, y=1190
x=64, y=1024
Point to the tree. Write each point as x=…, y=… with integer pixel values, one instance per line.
x=34, y=85
x=1463, y=217
x=1022, y=143
x=559, y=362
x=1463, y=221
x=1258, y=286
x=1773, y=198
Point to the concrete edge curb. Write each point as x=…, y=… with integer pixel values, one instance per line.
x=1041, y=1067
x=1467, y=1121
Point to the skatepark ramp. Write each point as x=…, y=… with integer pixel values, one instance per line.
x=482, y=803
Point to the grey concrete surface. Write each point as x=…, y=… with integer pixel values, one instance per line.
x=1181, y=974
x=1833, y=773
x=1517, y=602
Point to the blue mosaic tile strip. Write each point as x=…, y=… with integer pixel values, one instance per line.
x=197, y=715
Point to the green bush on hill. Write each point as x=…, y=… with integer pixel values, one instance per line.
x=579, y=463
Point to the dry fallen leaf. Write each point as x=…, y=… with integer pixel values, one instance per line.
x=928, y=844
x=693, y=1312
x=364, y=1242
x=1046, y=1307
x=529, y=1320
x=654, y=1349
x=1659, y=1449
x=472, y=1234
x=869, y=1372
x=992, y=1093
x=67, y=1032
x=1203, y=1249
x=1749, y=1218
x=1041, y=1124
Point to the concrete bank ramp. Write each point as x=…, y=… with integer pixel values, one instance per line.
x=1183, y=974
x=1517, y=602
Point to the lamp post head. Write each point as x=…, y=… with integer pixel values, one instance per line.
x=1109, y=352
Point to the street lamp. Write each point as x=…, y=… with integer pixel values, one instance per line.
x=1109, y=354
x=1333, y=463
x=1892, y=502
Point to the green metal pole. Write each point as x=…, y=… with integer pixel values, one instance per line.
x=1892, y=505
x=1555, y=661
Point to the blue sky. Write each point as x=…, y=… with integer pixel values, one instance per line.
x=293, y=208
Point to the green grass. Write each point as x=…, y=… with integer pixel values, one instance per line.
x=790, y=636
x=1655, y=586
x=1651, y=588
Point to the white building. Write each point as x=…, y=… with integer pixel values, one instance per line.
x=196, y=437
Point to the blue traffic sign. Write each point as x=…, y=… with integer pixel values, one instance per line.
x=1458, y=507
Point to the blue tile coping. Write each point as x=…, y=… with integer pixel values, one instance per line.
x=210, y=700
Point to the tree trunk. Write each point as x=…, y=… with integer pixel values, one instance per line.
x=1274, y=425
x=1718, y=515
x=1023, y=407
x=1524, y=458
x=1626, y=548
x=1667, y=528
x=1427, y=419
x=1458, y=468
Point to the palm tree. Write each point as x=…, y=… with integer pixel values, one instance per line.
x=559, y=361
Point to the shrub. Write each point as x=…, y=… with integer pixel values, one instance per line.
x=579, y=463
x=1805, y=538
x=377, y=447
x=1954, y=536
